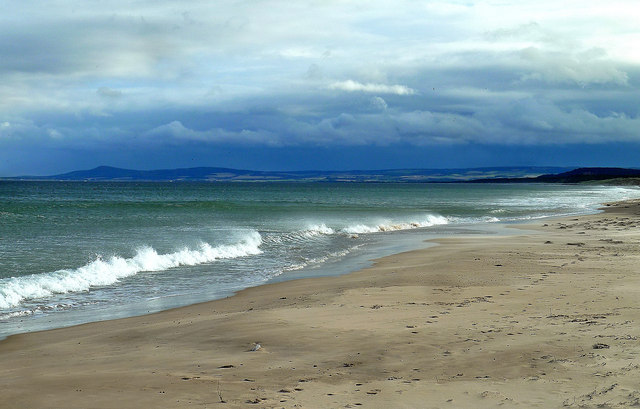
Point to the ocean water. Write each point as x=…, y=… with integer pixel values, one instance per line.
x=73, y=252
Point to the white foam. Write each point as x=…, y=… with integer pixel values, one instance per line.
x=105, y=272
x=318, y=229
x=315, y=231
x=427, y=221
x=22, y=313
x=310, y=232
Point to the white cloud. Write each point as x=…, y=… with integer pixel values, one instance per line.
x=353, y=86
x=587, y=67
x=176, y=132
x=378, y=103
x=55, y=134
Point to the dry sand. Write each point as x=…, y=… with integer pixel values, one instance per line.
x=541, y=320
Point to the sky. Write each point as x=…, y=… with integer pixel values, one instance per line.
x=318, y=85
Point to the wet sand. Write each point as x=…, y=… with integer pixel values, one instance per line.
x=548, y=318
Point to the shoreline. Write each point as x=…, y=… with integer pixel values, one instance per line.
x=490, y=321
x=349, y=265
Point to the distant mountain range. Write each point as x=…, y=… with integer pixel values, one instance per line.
x=210, y=174
x=475, y=175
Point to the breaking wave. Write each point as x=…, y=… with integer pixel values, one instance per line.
x=101, y=272
x=428, y=221
x=314, y=231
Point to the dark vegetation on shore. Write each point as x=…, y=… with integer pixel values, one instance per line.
x=615, y=176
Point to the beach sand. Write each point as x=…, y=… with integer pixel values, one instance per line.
x=547, y=318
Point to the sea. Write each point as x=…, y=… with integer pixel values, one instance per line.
x=76, y=252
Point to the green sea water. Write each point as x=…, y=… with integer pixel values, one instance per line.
x=74, y=252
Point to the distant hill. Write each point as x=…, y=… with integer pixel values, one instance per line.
x=580, y=175
x=212, y=174
x=590, y=174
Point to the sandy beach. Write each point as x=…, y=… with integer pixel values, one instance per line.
x=546, y=318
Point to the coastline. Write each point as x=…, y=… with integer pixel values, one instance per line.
x=397, y=242
x=538, y=320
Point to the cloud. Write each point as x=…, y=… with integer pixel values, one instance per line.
x=583, y=68
x=268, y=73
x=175, y=133
x=353, y=86
x=109, y=92
x=554, y=54
x=378, y=103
